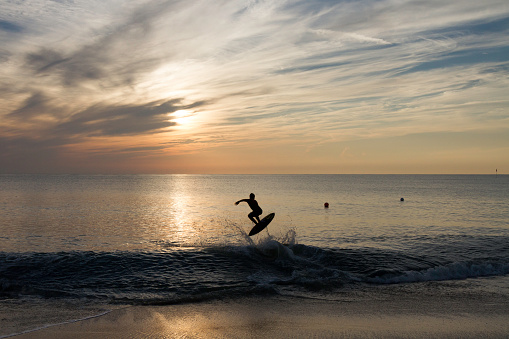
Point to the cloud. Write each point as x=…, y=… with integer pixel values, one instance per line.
x=476, y=56
x=114, y=56
x=142, y=149
x=299, y=71
x=123, y=119
x=100, y=120
x=119, y=120
x=49, y=146
x=33, y=106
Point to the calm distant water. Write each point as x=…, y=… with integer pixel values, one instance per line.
x=51, y=213
x=172, y=238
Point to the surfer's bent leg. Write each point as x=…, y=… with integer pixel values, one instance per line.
x=252, y=216
x=255, y=215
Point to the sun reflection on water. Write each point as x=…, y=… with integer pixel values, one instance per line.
x=181, y=231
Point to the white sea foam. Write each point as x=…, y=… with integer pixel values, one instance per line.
x=454, y=271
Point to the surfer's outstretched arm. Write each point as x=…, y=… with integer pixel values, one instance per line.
x=238, y=202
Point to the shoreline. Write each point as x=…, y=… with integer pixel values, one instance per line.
x=424, y=311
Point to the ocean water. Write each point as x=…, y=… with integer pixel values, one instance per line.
x=91, y=243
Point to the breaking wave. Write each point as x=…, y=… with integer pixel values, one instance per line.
x=270, y=265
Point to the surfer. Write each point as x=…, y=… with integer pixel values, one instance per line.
x=257, y=211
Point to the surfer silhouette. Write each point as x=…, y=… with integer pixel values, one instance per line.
x=257, y=211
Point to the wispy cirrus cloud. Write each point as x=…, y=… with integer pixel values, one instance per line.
x=303, y=72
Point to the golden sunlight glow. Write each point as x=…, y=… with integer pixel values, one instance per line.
x=182, y=117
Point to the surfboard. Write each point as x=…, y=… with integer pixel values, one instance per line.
x=262, y=224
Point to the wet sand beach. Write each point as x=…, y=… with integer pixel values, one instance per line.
x=413, y=314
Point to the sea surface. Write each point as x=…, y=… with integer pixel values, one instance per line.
x=86, y=244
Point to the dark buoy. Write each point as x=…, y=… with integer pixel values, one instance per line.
x=402, y=199
x=326, y=205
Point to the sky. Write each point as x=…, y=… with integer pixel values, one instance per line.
x=246, y=86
